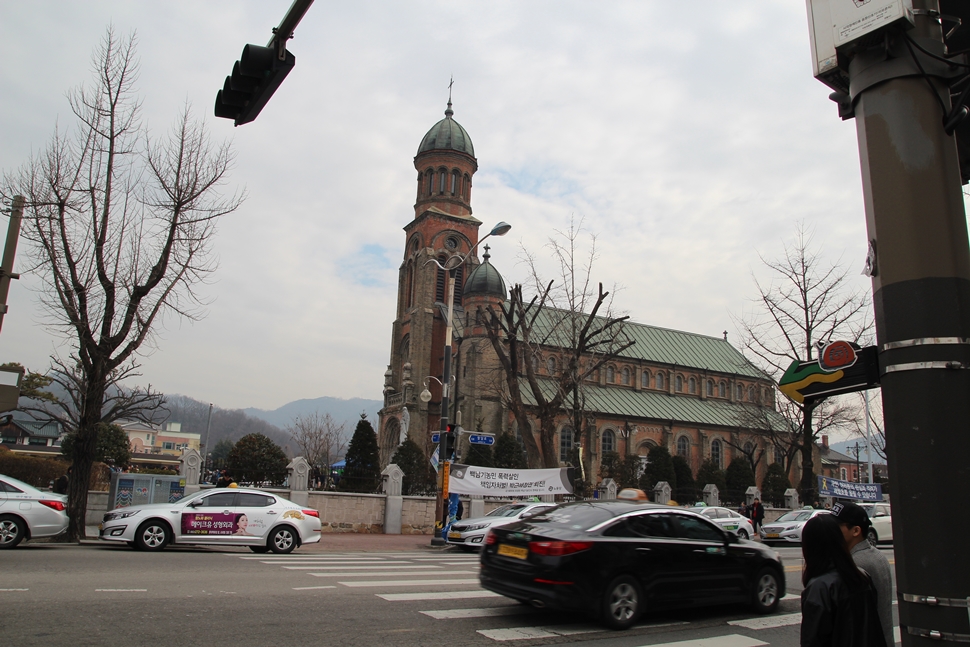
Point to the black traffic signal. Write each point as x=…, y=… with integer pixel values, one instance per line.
x=254, y=79
x=448, y=443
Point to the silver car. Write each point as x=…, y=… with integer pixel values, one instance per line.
x=469, y=534
x=29, y=513
x=727, y=519
x=787, y=529
x=226, y=516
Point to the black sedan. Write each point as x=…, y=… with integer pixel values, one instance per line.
x=617, y=559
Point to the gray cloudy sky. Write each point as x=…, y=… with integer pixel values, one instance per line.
x=691, y=136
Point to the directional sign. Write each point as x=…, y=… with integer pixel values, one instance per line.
x=481, y=439
x=842, y=367
x=435, y=437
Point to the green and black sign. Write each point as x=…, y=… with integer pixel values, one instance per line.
x=842, y=367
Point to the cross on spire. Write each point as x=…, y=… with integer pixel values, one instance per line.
x=449, y=111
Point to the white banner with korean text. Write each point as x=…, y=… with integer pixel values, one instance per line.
x=494, y=481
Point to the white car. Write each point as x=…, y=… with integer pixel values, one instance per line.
x=788, y=527
x=881, y=517
x=224, y=516
x=727, y=519
x=29, y=513
x=469, y=534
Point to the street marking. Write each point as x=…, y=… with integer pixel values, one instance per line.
x=410, y=582
x=731, y=640
x=312, y=588
x=768, y=623
x=8, y=590
x=122, y=590
x=527, y=633
x=394, y=574
x=438, y=595
x=355, y=568
x=792, y=596
x=485, y=612
x=469, y=563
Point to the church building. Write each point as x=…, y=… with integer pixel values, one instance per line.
x=691, y=393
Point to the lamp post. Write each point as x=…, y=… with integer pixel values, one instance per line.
x=451, y=266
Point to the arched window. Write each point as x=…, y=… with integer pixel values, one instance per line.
x=459, y=284
x=467, y=187
x=441, y=281
x=429, y=186
x=535, y=363
x=721, y=390
x=441, y=180
x=779, y=455
x=645, y=379
x=749, y=448
x=716, y=453
x=692, y=386
x=680, y=384
x=608, y=441
x=406, y=348
x=565, y=444
x=453, y=190
x=551, y=365
x=660, y=381
x=683, y=446
x=610, y=374
x=750, y=393
x=710, y=388
x=740, y=395
x=409, y=286
x=625, y=376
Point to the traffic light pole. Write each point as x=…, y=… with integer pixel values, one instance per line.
x=441, y=508
x=920, y=268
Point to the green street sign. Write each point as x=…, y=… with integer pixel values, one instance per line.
x=842, y=367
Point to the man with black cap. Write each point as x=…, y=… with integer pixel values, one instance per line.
x=855, y=525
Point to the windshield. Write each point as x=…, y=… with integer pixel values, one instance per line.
x=796, y=515
x=508, y=510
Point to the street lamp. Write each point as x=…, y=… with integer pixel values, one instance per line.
x=451, y=266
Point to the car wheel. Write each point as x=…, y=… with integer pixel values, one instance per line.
x=259, y=549
x=152, y=535
x=742, y=533
x=282, y=540
x=873, y=537
x=12, y=531
x=767, y=591
x=622, y=603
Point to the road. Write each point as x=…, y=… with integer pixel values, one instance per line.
x=54, y=594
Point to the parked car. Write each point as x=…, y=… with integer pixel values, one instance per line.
x=29, y=513
x=469, y=534
x=788, y=527
x=224, y=516
x=727, y=519
x=881, y=516
x=617, y=558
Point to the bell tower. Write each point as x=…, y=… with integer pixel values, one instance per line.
x=443, y=226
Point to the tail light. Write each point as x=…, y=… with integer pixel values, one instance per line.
x=53, y=505
x=558, y=548
x=311, y=513
x=490, y=538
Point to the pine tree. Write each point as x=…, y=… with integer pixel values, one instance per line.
x=256, y=459
x=738, y=478
x=710, y=473
x=508, y=453
x=416, y=467
x=480, y=455
x=362, y=472
x=686, y=491
x=660, y=467
x=774, y=485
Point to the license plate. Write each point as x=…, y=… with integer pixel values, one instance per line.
x=454, y=535
x=513, y=551
x=771, y=535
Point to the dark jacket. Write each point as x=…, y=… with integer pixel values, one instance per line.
x=756, y=512
x=835, y=616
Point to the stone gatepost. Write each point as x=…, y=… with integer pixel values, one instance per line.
x=751, y=494
x=711, y=495
x=791, y=499
x=298, y=479
x=477, y=506
x=661, y=492
x=608, y=489
x=190, y=468
x=393, y=501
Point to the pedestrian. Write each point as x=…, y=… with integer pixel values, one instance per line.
x=224, y=480
x=461, y=511
x=743, y=510
x=839, y=600
x=854, y=523
x=62, y=482
x=757, y=515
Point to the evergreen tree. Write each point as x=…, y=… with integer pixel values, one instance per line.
x=416, y=467
x=220, y=453
x=362, y=472
x=711, y=473
x=480, y=455
x=774, y=485
x=660, y=467
x=623, y=470
x=113, y=445
x=508, y=453
x=256, y=459
x=686, y=491
x=738, y=478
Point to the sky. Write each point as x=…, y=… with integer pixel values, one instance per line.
x=689, y=140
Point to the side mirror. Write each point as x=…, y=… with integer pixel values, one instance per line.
x=196, y=503
x=732, y=537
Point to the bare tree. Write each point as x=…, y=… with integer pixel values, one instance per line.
x=806, y=302
x=319, y=440
x=121, y=226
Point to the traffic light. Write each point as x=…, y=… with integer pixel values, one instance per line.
x=448, y=443
x=254, y=79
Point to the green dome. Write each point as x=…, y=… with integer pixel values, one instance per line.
x=447, y=135
x=485, y=280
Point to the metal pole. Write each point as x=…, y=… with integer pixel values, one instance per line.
x=865, y=397
x=917, y=230
x=442, y=506
x=9, y=252
x=205, y=443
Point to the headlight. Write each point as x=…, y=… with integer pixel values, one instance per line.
x=790, y=528
x=477, y=527
x=113, y=516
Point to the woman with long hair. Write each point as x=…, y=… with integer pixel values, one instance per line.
x=839, y=600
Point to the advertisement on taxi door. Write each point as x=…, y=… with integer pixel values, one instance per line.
x=214, y=523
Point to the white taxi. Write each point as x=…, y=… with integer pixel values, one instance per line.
x=727, y=519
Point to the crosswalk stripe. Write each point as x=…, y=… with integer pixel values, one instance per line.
x=390, y=574
x=484, y=612
x=353, y=564
x=438, y=582
x=437, y=595
x=528, y=633
x=731, y=640
x=356, y=568
x=769, y=622
x=313, y=588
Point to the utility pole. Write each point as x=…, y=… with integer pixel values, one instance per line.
x=9, y=252
x=897, y=88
